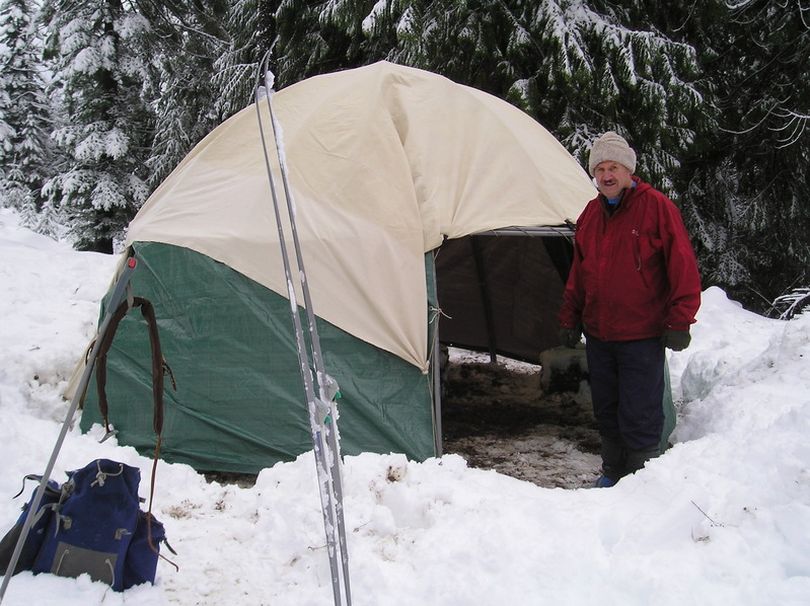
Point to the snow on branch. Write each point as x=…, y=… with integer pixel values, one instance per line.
x=792, y=303
x=370, y=20
x=561, y=27
x=793, y=128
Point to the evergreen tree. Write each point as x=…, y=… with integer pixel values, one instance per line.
x=318, y=37
x=184, y=102
x=96, y=48
x=578, y=67
x=748, y=180
x=467, y=41
x=195, y=59
x=24, y=115
x=250, y=32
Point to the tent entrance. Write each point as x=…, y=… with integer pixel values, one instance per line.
x=499, y=293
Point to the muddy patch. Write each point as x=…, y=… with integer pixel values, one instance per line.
x=497, y=417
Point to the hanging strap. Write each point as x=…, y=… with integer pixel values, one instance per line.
x=159, y=369
x=159, y=366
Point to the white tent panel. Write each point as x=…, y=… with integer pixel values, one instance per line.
x=384, y=161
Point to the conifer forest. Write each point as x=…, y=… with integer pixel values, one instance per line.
x=100, y=100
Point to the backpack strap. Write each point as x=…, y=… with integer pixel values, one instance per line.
x=159, y=369
x=159, y=365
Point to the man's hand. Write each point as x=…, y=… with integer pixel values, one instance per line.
x=676, y=340
x=569, y=337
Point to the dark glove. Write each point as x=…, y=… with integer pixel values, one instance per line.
x=676, y=340
x=569, y=337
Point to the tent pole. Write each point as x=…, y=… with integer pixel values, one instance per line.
x=437, y=394
x=437, y=373
x=478, y=256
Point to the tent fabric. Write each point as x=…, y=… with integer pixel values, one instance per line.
x=499, y=294
x=238, y=404
x=384, y=162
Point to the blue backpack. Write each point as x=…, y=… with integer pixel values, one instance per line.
x=93, y=522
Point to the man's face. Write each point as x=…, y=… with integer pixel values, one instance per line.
x=611, y=178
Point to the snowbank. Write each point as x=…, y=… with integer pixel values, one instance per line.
x=722, y=518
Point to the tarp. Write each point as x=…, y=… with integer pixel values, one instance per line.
x=384, y=162
x=235, y=401
x=500, y=294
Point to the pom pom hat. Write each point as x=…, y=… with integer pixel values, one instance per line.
x=612, y=146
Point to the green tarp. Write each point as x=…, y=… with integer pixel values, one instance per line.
x=239, y=405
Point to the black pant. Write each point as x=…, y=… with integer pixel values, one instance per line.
x=627, y=388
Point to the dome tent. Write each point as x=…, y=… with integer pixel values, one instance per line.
x=387, y=164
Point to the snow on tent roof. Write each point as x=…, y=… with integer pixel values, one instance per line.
x=384, y=162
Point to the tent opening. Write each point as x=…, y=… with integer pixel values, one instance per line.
x=510, y=398
x=499, y=293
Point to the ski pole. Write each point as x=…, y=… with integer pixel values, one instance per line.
x=322, y=413
x=121, y=289
x=327, y=387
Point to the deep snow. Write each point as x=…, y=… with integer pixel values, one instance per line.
x=722, y=518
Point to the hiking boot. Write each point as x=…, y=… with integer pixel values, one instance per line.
x=613, y=462
x=637, y=458
x=613, y=458
x=604, y=482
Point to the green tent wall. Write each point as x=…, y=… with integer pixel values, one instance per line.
x=239, y=404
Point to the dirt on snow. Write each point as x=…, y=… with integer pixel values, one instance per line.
x=497, y=417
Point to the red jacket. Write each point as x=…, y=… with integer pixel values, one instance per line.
x=634, y=273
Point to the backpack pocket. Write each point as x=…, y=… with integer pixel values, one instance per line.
x=36, y=534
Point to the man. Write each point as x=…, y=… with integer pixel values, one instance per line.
x=633, y=289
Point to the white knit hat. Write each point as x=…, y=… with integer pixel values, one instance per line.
x=612, y=146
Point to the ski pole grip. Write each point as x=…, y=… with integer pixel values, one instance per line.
x=123, y=281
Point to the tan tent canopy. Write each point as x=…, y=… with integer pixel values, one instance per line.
x=384, y=162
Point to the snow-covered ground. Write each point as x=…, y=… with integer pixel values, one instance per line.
x=722, y=518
